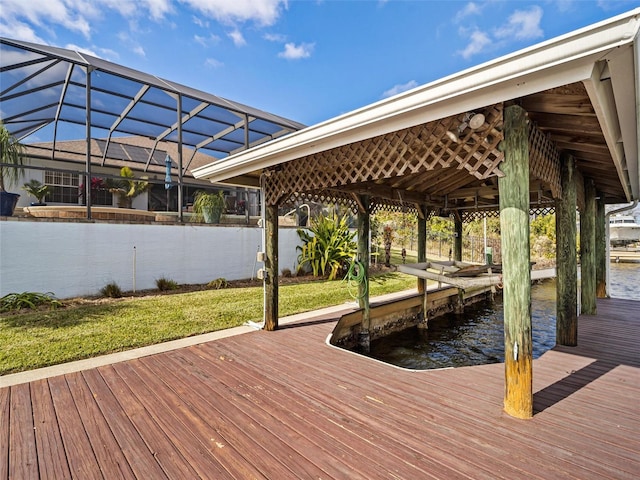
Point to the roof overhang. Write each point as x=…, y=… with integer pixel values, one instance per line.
x=607, y=50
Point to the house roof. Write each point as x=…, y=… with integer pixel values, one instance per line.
x=580, y=90
x=45, y=86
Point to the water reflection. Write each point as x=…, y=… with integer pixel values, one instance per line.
x=477, y=336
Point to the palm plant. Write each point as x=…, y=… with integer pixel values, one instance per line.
x=328, y=245
x=126, y=188
x=37, y=189
x=11, y=153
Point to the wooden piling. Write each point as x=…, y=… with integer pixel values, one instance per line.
x=271, y=267
x=363, y=226
x=457, y=240
x=588, y=250
x=566, y=259
x=601, y=248
x=514, y=225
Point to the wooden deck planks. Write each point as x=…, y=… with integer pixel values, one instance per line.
x=23, y=461
x=52, y=461
x=5, y=405
x=285, y=405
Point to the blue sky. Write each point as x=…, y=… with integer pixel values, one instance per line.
x=307, y=60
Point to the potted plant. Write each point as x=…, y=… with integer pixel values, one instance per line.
x=37, y=189
x=126, y=188
x=12, y=153
x=208, y=206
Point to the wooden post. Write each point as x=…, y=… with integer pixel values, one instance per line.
x=422, y=257
x=457, y=241
x=271, y=267
x=601, y=248
x=514, y=225
x=566, y=259
x=363, y=224
x=588, y=250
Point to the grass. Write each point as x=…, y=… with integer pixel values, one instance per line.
x=38, y=339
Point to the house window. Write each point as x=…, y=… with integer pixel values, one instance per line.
x=63, y=187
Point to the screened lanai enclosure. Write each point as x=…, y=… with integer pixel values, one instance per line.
x=80, y=114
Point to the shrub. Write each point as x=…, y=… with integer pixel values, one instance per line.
x=111, y=290
x=328, y=247
x=166, y=284
x=18, y=301
x=286, y=273
x=218, y=283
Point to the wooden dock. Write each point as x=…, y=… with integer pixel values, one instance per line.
x=281, y=405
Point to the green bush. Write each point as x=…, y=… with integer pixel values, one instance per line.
x=166, y=284
x=111, y=290
x=327, y=246
x=17, y=301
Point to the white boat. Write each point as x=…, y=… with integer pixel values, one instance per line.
x=623, y=230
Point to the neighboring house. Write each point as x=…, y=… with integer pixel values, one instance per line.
x=63, y=170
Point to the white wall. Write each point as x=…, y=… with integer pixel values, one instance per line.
x=76, y=259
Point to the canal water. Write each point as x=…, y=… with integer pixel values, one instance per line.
x=477, y=336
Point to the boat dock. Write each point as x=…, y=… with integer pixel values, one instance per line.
x=285, y=404
x=624, y=256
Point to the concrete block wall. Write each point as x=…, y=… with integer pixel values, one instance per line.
x=78, y=259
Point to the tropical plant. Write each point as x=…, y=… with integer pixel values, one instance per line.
x=97, y=185
x=127, y=188
x=11, y=153
x=37, y=189
x=31, y=300
x=208, y=206
x=327, y=246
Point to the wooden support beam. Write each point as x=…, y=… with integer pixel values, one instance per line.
x=271, y=267
x=457, y=240
x=566, y=260
x=601, y=248
x=588, y=250
x=422, y=257
x=514, y=225
x=363, y=224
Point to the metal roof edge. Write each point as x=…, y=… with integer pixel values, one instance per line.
x=555, y=62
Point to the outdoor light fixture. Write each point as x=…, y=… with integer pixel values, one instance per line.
x=471, y=120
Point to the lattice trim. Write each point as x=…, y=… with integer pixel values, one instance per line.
x=470, y=215
x=544, y=160
x=405, y=152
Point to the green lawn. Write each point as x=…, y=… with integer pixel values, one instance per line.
x=33, y=340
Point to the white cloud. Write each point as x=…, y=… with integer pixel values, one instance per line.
x=79, y=49
x=43, y=12
x=396, y=89
x=19, y=31
x=213, y=63
x=469, y=9
x=237, y=37
x=478, y=40
x=263, y=12
x=206, y=41
x=522, y=25
x=138, y=50
x=200, y=22
x=294, y=52
x=275, y=37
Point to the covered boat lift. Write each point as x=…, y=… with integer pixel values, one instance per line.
x=553, y=127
